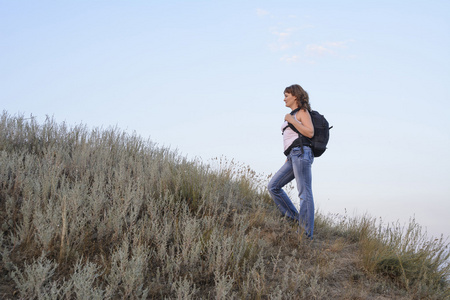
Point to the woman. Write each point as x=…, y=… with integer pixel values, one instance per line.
x=297, y=130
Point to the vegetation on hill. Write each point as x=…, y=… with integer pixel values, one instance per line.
x=102, y=214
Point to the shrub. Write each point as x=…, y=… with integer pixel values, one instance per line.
x=102, y=214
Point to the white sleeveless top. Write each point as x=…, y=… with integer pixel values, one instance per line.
x=289, y=135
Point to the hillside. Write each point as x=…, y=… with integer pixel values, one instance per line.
x=101, y=214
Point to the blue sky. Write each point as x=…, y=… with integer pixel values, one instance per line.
x=207, y=78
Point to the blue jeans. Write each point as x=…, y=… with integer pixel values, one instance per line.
x=297, y=166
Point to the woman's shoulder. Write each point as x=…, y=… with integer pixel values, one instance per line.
x=302, y=114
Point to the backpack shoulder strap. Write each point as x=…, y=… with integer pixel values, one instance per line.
x=294, y=111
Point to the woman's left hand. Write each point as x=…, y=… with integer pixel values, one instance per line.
x=289, y=118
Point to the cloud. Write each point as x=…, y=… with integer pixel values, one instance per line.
x=284, y=38
x=290, y=58
x=289, y=39
x=311, y=53
x=319, y=50
x=283, y=34
x=261, y=12
x=327, y=48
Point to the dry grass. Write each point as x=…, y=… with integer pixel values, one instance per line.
x=101, y=214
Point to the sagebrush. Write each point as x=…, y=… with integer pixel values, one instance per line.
x=103, y=214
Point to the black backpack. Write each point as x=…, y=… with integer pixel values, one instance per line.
x=321, y=133
x=319, y=141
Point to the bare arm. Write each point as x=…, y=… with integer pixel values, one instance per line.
x=306, y=127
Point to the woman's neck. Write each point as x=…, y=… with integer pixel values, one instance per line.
x=293, y=107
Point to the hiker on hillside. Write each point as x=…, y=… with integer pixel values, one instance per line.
x=299, y=160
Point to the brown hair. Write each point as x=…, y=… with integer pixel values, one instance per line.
x=301, y=95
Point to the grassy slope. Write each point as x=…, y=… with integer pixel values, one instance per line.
x=102, y=214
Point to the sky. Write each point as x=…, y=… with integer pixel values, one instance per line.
x=206, y=78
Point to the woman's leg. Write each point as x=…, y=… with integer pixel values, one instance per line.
x=301, y=164
x=278, y=181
